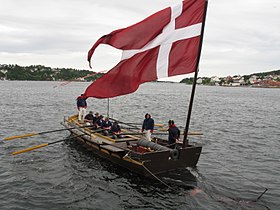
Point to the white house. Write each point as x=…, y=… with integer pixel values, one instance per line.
x=215, y=79
x=199, y=81
x=253, y=79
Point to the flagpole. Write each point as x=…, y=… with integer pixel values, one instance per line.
x=108, y=107
x=185, y=140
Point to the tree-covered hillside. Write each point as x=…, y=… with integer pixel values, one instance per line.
x=43, y=73
x=263, y=74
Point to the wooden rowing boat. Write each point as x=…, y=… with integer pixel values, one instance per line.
x=166, y=49
x=135, y=153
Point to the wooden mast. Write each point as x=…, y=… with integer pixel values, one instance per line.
x=185, y=140
x=108, y=107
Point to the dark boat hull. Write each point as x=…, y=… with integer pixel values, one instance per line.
x=145, y=162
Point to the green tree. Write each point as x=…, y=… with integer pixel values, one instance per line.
x=206, y=81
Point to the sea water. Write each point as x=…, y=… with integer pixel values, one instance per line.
x=240, y=156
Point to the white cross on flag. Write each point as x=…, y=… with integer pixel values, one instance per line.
x=164, y=44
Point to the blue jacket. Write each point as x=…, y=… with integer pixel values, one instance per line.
x=148, y=124
x=81, y=102
x=106, y=124
x=115, y=128
x=174, y=133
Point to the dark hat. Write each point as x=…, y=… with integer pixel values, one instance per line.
x=171, y=122
x=96, y=113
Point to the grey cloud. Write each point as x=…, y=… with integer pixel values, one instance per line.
x=239, y=35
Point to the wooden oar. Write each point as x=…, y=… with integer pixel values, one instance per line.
x=39, y=133
x=194, y=133
x=131, y=133
x=133, y=125
x=155, y=133
x=189, y=133
x=47, y=144
x=43, y=145
x=156, y=124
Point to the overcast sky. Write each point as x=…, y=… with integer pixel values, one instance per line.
x=241, y=36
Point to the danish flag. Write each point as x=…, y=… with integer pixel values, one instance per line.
x=163, y=45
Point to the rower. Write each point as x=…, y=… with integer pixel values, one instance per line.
x=89, y=118
x=116, y=130
x=106, y=126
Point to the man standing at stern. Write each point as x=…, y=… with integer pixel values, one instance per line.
x=148, y=126
x=81, y=106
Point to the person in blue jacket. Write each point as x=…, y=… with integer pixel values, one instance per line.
x=99, y=122
x=116, y=130
x=106, y=126
x=173, y=134
x=81, y=106
x=148, y=126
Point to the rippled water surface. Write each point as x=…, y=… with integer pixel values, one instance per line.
x=240, y=149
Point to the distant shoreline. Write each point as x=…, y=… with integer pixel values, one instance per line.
x=171, y=82
x=251, y=86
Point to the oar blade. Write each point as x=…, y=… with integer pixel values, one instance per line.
x=159, y=125
x=30, y=149
x=163, y=129
x=21, y=136
x=195, y=133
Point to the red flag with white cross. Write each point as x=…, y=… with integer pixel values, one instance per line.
x=163, y=45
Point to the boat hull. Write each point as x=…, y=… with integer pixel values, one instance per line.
x=123, y=153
